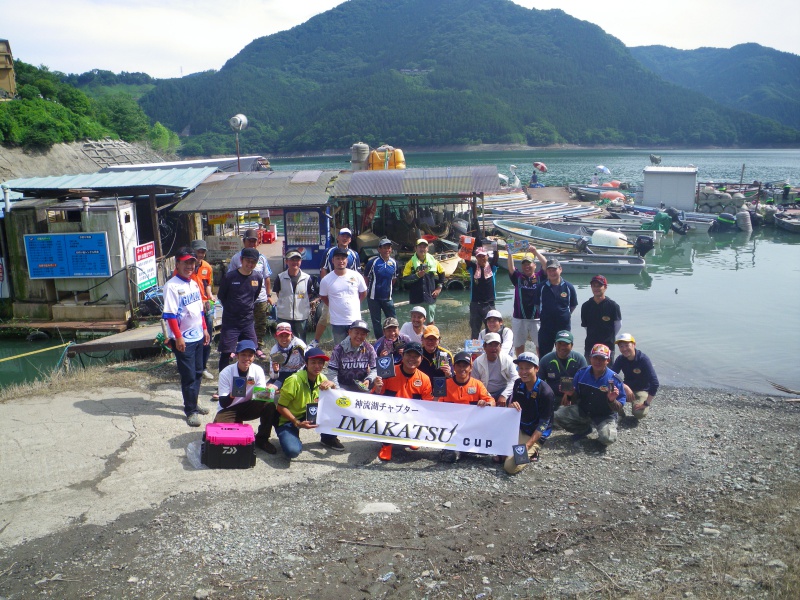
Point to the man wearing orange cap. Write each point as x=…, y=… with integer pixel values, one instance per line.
x=599, y=397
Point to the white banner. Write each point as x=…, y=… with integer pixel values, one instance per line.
x=145, y=257
x=461, y=427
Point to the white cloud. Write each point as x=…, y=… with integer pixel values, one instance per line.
x=168, y=38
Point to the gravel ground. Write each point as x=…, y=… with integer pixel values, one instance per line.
x=701, y=499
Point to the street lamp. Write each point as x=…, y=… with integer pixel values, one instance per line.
x=238, y=123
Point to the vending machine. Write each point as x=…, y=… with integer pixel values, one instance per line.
x=307, y=231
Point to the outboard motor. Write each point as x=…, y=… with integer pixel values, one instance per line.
x=677, y=226
x=724, y=223
x=756, y=219
x=582, y=246
x=643, y=245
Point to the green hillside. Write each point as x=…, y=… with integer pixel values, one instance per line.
x=747, y=77
x=48, y=110
x=422, y=73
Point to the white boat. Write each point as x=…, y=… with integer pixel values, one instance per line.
x=594, y=264
x=557, y=240
x=694, y=226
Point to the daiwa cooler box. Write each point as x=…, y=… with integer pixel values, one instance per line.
x=228, y=446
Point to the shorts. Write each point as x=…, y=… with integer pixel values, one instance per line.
x=323, y=315
x=524, y=330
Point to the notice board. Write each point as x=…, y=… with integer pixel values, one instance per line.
x=63, y=255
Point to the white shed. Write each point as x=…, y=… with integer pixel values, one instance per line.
x=672, y=186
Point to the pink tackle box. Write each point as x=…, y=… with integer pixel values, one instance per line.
x=228, y=446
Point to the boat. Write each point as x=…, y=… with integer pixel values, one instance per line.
x=573, y=262
x=589, y=226
x=695, y=225
x=449, y=262
x=788, y=221
x=558, y=240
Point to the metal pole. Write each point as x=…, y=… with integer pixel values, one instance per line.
x=238, y=161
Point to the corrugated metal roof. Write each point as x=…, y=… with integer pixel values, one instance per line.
x=121, y=182
x=259, y=191
x=230, y=164
x=443, y=181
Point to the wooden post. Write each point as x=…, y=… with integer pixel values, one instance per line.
x=156, y=229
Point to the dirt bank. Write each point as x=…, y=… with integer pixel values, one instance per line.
x=699, y=500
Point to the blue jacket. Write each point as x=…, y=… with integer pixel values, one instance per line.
x=639, y=373
x=591, y=394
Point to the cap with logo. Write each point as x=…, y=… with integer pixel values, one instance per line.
x=199, y=245
x=552, y=263
x=481, y=251
x=431, y=330
x=250, y=234
x=413, y=347
x=315, y=353
x=345, y=231
x=246, y=345
x=528, y=357
x=339, y=252
x=494, y=314
x=601, y=350
x=185, y=253
x=420, y=310
x=463, y=357
x=359, y=324
x=293, y=254
x=599, y=279
x=422, y=241
x=283, y=328
x=491, y=337
x=390, y=322
x=250, y=253
x=385, y=242
x=625, y=337
x=527, y=257
x=565, y=336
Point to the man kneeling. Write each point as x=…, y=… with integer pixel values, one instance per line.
x=535, y=400
x=299, y=390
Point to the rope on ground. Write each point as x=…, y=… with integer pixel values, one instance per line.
x=153, y=368
x=34, y=352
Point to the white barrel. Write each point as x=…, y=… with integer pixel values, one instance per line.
x=359, y=154
x=602, y=237
x=743, y=221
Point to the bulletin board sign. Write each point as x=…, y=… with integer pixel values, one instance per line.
x=65, y=255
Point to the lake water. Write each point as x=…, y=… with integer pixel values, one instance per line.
x=718, y=311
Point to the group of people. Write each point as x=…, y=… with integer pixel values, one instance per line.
x=554, y=385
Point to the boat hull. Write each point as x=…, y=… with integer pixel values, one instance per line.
x=547, y=238
x=592, y=264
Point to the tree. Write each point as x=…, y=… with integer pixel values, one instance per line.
x=121, y=113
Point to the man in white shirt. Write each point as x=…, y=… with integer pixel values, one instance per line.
x=495, y=369
x=342, y=291
x=414, y=328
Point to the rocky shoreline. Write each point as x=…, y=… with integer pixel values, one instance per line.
x=698, y=500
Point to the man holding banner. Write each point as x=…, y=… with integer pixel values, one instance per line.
x=407, y=382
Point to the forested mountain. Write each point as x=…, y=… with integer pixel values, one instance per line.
x=748, y=77
x=425, y=73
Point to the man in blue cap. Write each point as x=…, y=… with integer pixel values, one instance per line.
x=235, y=407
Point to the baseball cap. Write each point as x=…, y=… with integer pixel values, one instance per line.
x=494, y=313
x=527, y=357
x=390, y=322
x=293, y=254
x=527, y=257
x=565, y=336
x=491, y=337
x=482, y=251
x=421, y=241
x=185, y=253
x=463, y=357
x=199, y=245
x=246, y=345
x=345, y=231
x=250, y=234
x=385, y=242
x=600, y=279
x=283, y=328
x=601, y=350
x=431, y=330
x=420, y=310
x=250, y=253
x=315, y=353
x=552, y=263
x=359, y=324
x=625, y=337
x=413, y=347
x=339, y=252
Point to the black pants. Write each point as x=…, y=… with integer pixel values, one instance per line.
x=477, y=316
x=248, y=411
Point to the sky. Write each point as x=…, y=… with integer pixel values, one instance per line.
x=171, y=38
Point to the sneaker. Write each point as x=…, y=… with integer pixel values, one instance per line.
x=202, y=410
x=333, y=444
x=208, y=374
x=450, y=456
x=386, y=452
x=260, y=354
x=266, y=446
x=414, y=448
x=214, y=398
x=577, y=437
x=314, y=344
x=194, y=420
